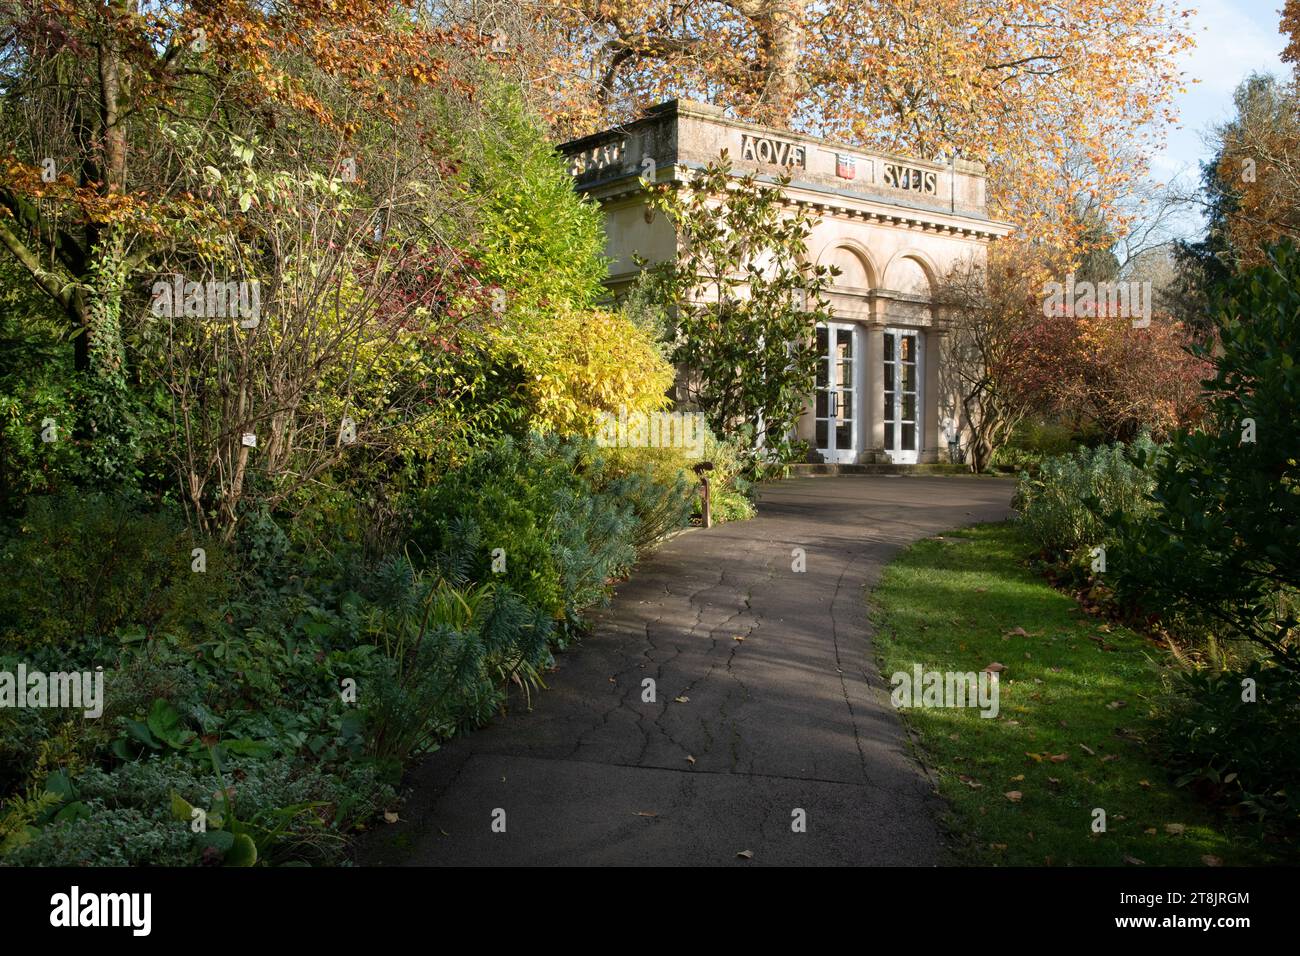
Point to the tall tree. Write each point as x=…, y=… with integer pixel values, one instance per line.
x=1259, y=162
x=1023, y=85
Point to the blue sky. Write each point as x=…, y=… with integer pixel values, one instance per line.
x=1233, y=39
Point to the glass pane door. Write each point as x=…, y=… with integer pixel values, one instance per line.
x=901, y=380
x=836, y=392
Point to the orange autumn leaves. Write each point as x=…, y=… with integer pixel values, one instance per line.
x=1060, y=99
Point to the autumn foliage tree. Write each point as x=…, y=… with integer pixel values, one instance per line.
x=1103, y=373
x=294, y=146
x=1259, y=164
x=1023, y=87
x=993, y=311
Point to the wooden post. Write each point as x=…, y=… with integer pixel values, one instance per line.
x=706, y=506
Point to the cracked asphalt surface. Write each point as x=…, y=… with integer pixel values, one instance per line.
x=741, y=733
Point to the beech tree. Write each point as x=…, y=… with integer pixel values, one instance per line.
x=1023, y=86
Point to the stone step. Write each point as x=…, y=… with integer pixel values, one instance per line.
x=803, y=469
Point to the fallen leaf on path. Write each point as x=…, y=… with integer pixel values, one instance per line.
x=746, y=854
x=682, y=700
x=646, y=813
x=690, y=759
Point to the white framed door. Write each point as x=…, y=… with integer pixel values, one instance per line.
x=901, y=378
x=836, y=401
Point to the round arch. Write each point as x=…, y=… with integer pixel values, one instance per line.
x=912, y=271
x=858, y=269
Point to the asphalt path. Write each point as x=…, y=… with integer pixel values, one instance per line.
x=768, y=710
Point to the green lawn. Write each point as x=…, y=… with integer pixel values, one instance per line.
x=1075, y=689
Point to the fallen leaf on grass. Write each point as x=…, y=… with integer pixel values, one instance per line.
x=1016, y=632
x=1175, y=829
x=1144, y=784
x=1013, y=795
x=1017, y=778
x=1059, y=758
x=970, y=782
x=1209, y=860
x=390, y=817
x=1134, y=861
x=1088, y=750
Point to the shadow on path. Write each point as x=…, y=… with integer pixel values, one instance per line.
x=785, y=718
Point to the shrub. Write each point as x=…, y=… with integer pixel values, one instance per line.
x=1032, y=441
x=297, y=811
x=672, y=468
x=561, y=540
x=450, y=653
x=1062, y=509
x=1222, y=542
x=1234, y=750
x=90, y=563
x=658, y=485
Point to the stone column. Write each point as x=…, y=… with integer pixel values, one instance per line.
x=934, y=444
x=873, y=386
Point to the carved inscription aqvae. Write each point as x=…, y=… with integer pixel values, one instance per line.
x=764, y=149
x=597, y=158
x=911, y=179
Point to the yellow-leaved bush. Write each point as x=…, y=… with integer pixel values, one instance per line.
x=582, y=363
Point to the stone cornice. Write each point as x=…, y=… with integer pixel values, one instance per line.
x=836, y=204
